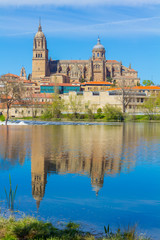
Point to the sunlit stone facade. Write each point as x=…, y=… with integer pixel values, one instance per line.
x=98, y=68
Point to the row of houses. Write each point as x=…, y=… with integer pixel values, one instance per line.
x=86, y=100
x=91, y=94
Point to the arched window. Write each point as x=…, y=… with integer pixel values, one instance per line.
x=36, y=54
x=41, y=54
x=97, y=54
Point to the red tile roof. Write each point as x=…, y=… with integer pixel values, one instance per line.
x=137, y=88
x=112, y=61
x=42, y=95
x=27, y=81
x=147, y=88
x=97, y=59
x=97, y=83
x=10, y=75
x=132, y=70
x=61, y=84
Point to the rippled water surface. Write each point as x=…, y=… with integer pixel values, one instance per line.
x=92, y=174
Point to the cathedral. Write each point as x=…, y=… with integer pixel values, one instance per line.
x=96, y=69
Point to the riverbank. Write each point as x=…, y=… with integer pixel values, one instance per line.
x=60, y=123
x=92, y=118
x=30, y=228
x=40, y=122
x=98, y=119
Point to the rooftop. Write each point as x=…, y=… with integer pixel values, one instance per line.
x=112, y=61
x=97, y=83
x=61, y=84
x=98, y=46
x=10, y=75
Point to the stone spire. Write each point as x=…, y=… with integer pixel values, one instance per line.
x=99, y=45
x=98, y=41
x=38, y=204
x=40, y=27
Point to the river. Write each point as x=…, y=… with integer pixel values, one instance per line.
x=91, y=174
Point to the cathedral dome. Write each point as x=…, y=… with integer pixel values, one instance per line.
x=98, y=46
x=39, y=34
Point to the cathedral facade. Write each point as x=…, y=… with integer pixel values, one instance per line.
x=96, y=69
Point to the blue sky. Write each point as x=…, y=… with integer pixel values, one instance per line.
x=129, y=30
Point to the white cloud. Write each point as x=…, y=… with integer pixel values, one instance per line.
x=130, y=27
x=79, y=3
x=124, y=26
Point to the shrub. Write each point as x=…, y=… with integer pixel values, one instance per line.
x=99, y=111
x=99, y=114
x=47, y=114
x=90, y=114
x=113, y=113
x=2, y=118
x=31, y=229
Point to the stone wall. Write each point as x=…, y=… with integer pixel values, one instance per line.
x=93, y=100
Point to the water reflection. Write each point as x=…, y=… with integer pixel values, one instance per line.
x=95, y=151
x=14, y=146
x=82, y=150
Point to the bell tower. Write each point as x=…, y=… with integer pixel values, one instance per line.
x=40, y=55
x=98, y=62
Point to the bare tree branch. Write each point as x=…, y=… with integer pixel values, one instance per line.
x=10, y=93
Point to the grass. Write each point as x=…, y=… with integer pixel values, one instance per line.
x=142, y=118
x=31, y=229
x=10, y=197
x=95, y=118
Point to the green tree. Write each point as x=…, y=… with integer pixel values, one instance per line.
x=149, y=106
x=57, y=106
x=54, y=109
x=82, y=80
x=99, y=111
x=148, y=83
x=90, y=114
x=114, y=83
x=75, y=105
x=113, y=113
x=158, y=100
x=109, y=79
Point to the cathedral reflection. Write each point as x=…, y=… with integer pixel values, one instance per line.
x=88, y=150
x=94, y=151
